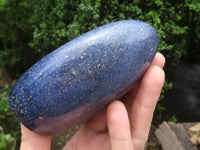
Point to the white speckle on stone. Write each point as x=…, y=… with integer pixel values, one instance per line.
x=74, y=72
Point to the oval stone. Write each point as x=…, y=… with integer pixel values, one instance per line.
x=83, y=76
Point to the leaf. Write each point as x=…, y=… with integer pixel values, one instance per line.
x=7, y=142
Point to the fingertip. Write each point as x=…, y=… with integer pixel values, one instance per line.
x=159, y=60
x=114, y=111
x=112, y=107
x=119, y=126
x=117, y=117
x=155, y=76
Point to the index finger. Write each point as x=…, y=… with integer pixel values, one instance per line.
x=144, y=105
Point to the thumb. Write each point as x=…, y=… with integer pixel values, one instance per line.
x=32, y=141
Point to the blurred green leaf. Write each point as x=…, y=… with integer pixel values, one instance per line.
x=7, y=142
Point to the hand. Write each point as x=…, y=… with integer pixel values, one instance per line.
x=123, y=125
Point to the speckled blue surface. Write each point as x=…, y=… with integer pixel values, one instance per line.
x=81, y=77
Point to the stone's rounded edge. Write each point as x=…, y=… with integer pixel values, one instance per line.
x=22, y=114
x=137, y=23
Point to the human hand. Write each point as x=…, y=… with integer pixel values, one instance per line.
x=123, y=125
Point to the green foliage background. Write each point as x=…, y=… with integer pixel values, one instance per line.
x=30, y=29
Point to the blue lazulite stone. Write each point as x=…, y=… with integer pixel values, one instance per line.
x=84, y=75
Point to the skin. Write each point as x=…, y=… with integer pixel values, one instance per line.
x=123, y=125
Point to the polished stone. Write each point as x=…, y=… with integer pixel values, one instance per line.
x=84, y=75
